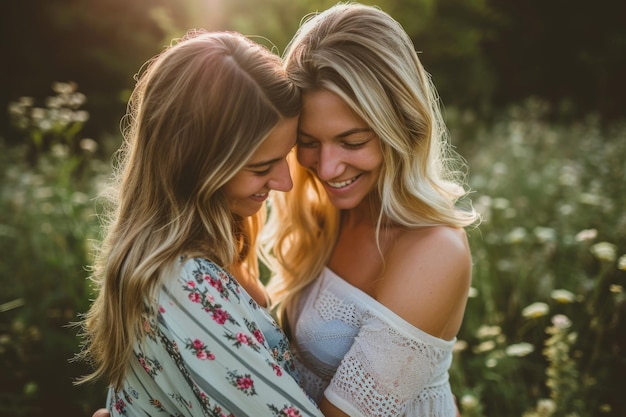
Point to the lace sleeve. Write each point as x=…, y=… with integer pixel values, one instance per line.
x=387, y=371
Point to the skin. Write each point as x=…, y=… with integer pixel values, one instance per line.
x=339, y=148
x=423, y=274
x=266, y=170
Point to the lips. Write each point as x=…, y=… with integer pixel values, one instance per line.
x=341, y=184
x=259, y=196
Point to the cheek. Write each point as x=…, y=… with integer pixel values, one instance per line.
x=377, y=163
x=375, y=159
x=236, y=187
x=306, y=157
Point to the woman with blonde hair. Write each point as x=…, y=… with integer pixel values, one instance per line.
x=374, y=263
x=179, y=324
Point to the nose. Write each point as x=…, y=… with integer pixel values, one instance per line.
x=281, y=178
x=329, y=164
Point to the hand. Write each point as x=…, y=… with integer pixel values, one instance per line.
x=103, y=412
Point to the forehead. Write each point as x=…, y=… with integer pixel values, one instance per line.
x=325, y=112
x=278, y=143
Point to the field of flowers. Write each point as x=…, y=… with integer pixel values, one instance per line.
x=545, y=329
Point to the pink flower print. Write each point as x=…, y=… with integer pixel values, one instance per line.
x=191, y=284
x=217, y=284
x=195, y=297
x=120, y=406
x=245, y=383
x=197, y=344
x=161, y=309
x=278, y=370
x=144, y=365
x=199, y=349
x=242, y=338
x=258, y=335
x=220, y=316
x=291, y=412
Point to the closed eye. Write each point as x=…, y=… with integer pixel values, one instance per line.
x=262, y=172
x=354, y=145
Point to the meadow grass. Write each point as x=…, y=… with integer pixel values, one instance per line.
x=545, y=328
x=544, y=333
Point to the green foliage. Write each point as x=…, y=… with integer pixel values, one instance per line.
x=46, y=223
x=554, y=227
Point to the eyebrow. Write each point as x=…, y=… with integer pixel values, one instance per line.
x=342, y=134
x=263, y=163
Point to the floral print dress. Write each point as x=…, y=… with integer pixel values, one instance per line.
x=210, y=350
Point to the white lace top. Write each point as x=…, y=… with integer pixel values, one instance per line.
x=364, y=358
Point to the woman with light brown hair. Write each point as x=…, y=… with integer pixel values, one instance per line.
x=179, y=325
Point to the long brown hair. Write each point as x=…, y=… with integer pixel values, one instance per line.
x=198, y=112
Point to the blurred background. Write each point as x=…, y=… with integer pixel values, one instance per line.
x=533, y=97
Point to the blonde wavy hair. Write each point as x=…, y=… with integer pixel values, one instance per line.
x=198, y=112
x=365, y=57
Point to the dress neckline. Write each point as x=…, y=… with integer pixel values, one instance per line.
x=383, y=312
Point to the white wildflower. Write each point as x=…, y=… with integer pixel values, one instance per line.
x=536, y=310
x=519, y=349
x=586, y=235
x=485, y=346
x=546, y=406
x=516, y=235
x=88, y=145
x=459, y=346
x=561, y=321
x=485, y=331
x=604, y=251
x=563, y=296
x=469, y=402
x=544, y=234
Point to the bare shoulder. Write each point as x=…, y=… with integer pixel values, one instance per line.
x=430, y=247
x=451, y=237
x=427, y=277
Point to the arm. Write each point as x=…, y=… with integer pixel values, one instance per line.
x=326, y=406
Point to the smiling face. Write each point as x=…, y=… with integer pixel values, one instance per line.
x=339, y=148
x=266, y=170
